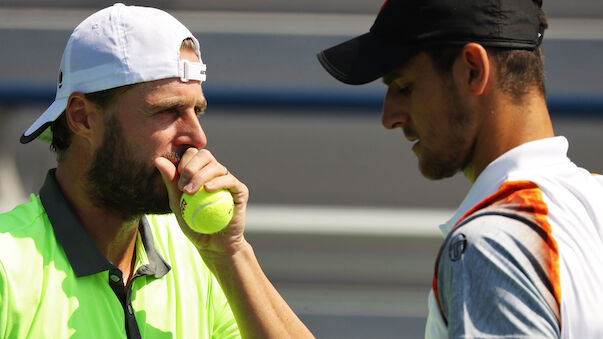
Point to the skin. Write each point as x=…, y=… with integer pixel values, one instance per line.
x=460, y=121
x=162, y=133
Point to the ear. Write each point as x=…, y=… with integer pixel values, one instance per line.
x=475, y=67
x=83, y=116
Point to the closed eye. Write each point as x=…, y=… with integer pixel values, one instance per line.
x=171, y=110
x=403, y=88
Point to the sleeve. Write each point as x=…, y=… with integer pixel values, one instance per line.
x=224, y=324
x=491, y=282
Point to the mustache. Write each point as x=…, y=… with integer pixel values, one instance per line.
x=174, y=157
x=410, y=133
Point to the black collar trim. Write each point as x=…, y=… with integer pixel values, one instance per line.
x=82, y=253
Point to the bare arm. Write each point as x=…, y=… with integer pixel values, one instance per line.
x=258, y=308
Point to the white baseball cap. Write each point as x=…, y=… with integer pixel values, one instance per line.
x=116, y=46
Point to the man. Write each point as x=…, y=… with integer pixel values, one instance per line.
x=98, y=253
x=465, y=84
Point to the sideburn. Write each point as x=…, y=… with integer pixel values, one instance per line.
x=122, y=184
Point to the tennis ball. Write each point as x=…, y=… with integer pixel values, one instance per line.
x=207, y=212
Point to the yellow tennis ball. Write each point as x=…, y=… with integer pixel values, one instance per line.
x=207, y=212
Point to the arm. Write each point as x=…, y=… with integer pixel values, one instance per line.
x=497, y=287
x=258, y=308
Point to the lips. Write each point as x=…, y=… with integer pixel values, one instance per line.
x=173, y=157
x=414, y=139
x=410, y=137
x=415, y=146
x=410, y=133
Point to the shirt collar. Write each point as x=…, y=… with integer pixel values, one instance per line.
x=534, y=154
x=82, y=253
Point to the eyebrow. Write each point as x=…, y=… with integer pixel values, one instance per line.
x=168, y=103
x=388, y=78
x=391, y=77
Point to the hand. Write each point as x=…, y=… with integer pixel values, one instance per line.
x=199, y=169
x=258, y=308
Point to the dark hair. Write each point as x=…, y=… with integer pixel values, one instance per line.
x=61, y=133
x=517, y=69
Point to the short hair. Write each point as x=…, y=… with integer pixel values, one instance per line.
x=517, y=69
x=61, y=133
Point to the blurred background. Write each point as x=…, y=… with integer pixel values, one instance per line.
x=340, y=218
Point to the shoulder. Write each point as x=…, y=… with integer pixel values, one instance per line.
x=23, y=216
x=509, y=243
x=24, y=232
x=30, y=257
x=503, y=228
x=490, y=239
x=494, y=268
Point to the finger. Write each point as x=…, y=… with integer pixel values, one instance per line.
x=191, y=163
x=204, y=175
x=189, y=155
x=186, y=157
x=228, y=182
x=240, y=195
x=169, y=174
x=193, y=154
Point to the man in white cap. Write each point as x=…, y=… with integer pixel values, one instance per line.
x=103, y=250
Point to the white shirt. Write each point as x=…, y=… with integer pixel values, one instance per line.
x=574, y=199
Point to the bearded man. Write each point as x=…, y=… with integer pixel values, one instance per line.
x=103, y=251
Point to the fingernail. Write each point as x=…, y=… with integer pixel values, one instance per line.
x=188, y=189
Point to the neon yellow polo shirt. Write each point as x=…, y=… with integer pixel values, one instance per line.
x=54, y=283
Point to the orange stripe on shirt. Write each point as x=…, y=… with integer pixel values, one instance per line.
x=523, y=198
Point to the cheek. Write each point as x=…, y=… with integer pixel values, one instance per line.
x=143, y=149
x=160, y=143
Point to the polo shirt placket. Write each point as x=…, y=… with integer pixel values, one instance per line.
x=86, y=259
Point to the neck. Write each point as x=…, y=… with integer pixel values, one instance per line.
x=114, y=237
x=506, y=125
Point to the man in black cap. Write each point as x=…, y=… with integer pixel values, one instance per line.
x=465, y=83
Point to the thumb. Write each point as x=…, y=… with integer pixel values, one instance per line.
x=169, y=174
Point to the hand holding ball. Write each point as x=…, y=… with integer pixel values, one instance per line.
x=207, y=212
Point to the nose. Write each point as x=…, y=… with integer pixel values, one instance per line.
x=191, y=133
x=394, y=114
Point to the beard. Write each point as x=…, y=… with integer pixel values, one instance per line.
x=120, y=183
x=436, y=167
x=457, y=147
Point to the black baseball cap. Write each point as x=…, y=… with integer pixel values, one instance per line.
x=405, y=27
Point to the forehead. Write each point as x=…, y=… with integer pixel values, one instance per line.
x=161, y=94
x=167, y=84
x=166, y=87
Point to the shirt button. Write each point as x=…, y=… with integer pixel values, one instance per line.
x=115, y=278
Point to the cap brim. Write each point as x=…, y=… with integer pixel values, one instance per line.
x=44, y=121
x=364, y=59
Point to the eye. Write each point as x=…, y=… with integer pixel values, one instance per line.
x=199, y=110
x=170, y=110
x=404, y=88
